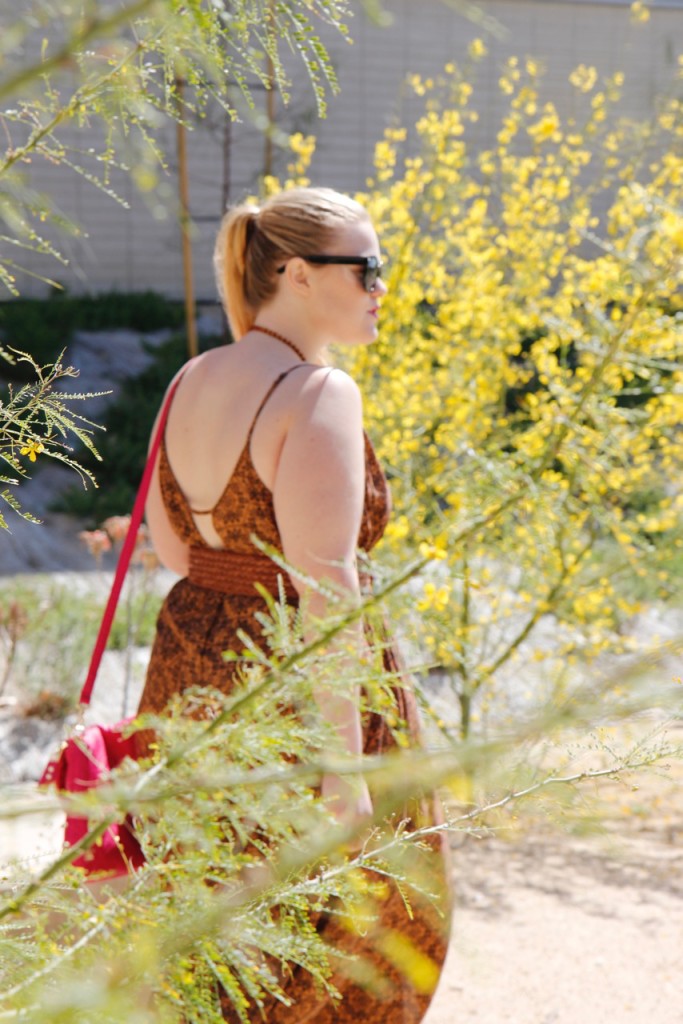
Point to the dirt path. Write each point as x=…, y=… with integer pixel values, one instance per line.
x=551, y=928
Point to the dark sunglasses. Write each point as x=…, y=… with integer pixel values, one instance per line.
x=372, y=267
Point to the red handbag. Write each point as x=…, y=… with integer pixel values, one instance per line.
x=87, y=758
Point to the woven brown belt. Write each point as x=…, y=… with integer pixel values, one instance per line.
x=235, y=573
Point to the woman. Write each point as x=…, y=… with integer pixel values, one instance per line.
x=265, y=438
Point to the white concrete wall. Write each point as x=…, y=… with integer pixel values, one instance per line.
x=134, y=249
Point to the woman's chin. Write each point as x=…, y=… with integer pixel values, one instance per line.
x=363, y=338
x=371, y=332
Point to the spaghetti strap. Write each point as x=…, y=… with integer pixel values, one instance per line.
x=278, y=380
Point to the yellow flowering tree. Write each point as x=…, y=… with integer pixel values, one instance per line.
x=526, y=392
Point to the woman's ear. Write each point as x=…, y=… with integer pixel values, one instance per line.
x=298, y=275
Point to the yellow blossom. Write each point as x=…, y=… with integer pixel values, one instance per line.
x=640, y=12
x=33, y=449
x=583, y=78
x=547, y=127
x=477, y=49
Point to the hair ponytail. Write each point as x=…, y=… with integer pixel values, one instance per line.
x=230, y=264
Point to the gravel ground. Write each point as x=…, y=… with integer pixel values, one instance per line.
x=551, y=928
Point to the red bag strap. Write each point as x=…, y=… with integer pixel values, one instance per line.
x=128, y=546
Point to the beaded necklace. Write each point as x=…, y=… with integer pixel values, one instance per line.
x=280, y=337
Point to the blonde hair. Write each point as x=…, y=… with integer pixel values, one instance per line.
x=253, y=242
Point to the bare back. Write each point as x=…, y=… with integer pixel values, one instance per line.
x=306, y=447
x=211, y=420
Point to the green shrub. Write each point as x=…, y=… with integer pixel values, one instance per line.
x=58, y=628
x=136, y=624
x=44, y=327
x=48, y=629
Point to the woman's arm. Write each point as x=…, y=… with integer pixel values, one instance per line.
x=318, y=496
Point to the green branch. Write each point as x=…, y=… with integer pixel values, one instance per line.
x=64, y=56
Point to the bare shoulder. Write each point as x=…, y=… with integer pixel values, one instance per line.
x=319, y=484
x=324, y=391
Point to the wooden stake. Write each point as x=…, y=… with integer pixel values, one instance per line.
x=185, y=226
x=270, y=98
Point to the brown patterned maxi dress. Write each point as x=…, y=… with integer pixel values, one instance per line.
x=198, y=621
